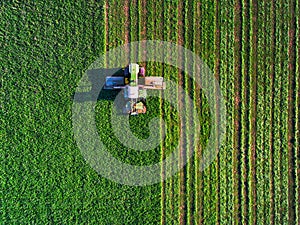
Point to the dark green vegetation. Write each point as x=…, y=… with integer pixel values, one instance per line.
x=252, y=47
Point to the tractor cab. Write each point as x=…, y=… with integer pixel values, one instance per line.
x=134, y=89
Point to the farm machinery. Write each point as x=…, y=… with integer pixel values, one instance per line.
x=134, y=84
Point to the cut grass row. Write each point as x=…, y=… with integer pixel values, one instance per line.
x=253, y=111
x=207, y=54
x=159, y=70
x=237, y=211
x=263, y=91
x=246, y=110
x=282, y=116
x=199, y=194
x=190, y=14
x=272, y=104
x=227, y=79
x=291, y=134
x=182, y=154
x=171, y=211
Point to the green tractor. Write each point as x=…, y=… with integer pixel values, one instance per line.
x=134, y=89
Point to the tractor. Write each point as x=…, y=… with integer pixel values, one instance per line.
x=134, y=89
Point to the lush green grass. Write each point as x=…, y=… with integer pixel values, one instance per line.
x=46, y=47
x=44, y=178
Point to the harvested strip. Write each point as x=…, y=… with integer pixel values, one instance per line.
x=237, y=112
x=246, y=110
x=199, y=211
x=283, y=116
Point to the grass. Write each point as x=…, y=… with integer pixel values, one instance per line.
x=46, y=47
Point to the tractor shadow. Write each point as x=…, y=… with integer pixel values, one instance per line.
x=96, y=79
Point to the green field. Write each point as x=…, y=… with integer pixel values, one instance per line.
x=251, y=46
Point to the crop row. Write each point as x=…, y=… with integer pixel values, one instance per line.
x=263, y=112
x=171, y=114
x=251, y=166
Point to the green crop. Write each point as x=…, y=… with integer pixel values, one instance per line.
x=46, y=46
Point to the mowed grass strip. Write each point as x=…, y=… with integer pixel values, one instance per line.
x=224, y=153
x=261, y=111
x=198, y=183
x=190, y=18
x=292, y=114
x=170, y=73
x=237, y=212
x=272, y=112
x=253, y=112
x=182, y=153
x=283, y=116
x=246, y=111
x=210, y=179
x=266, y=89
